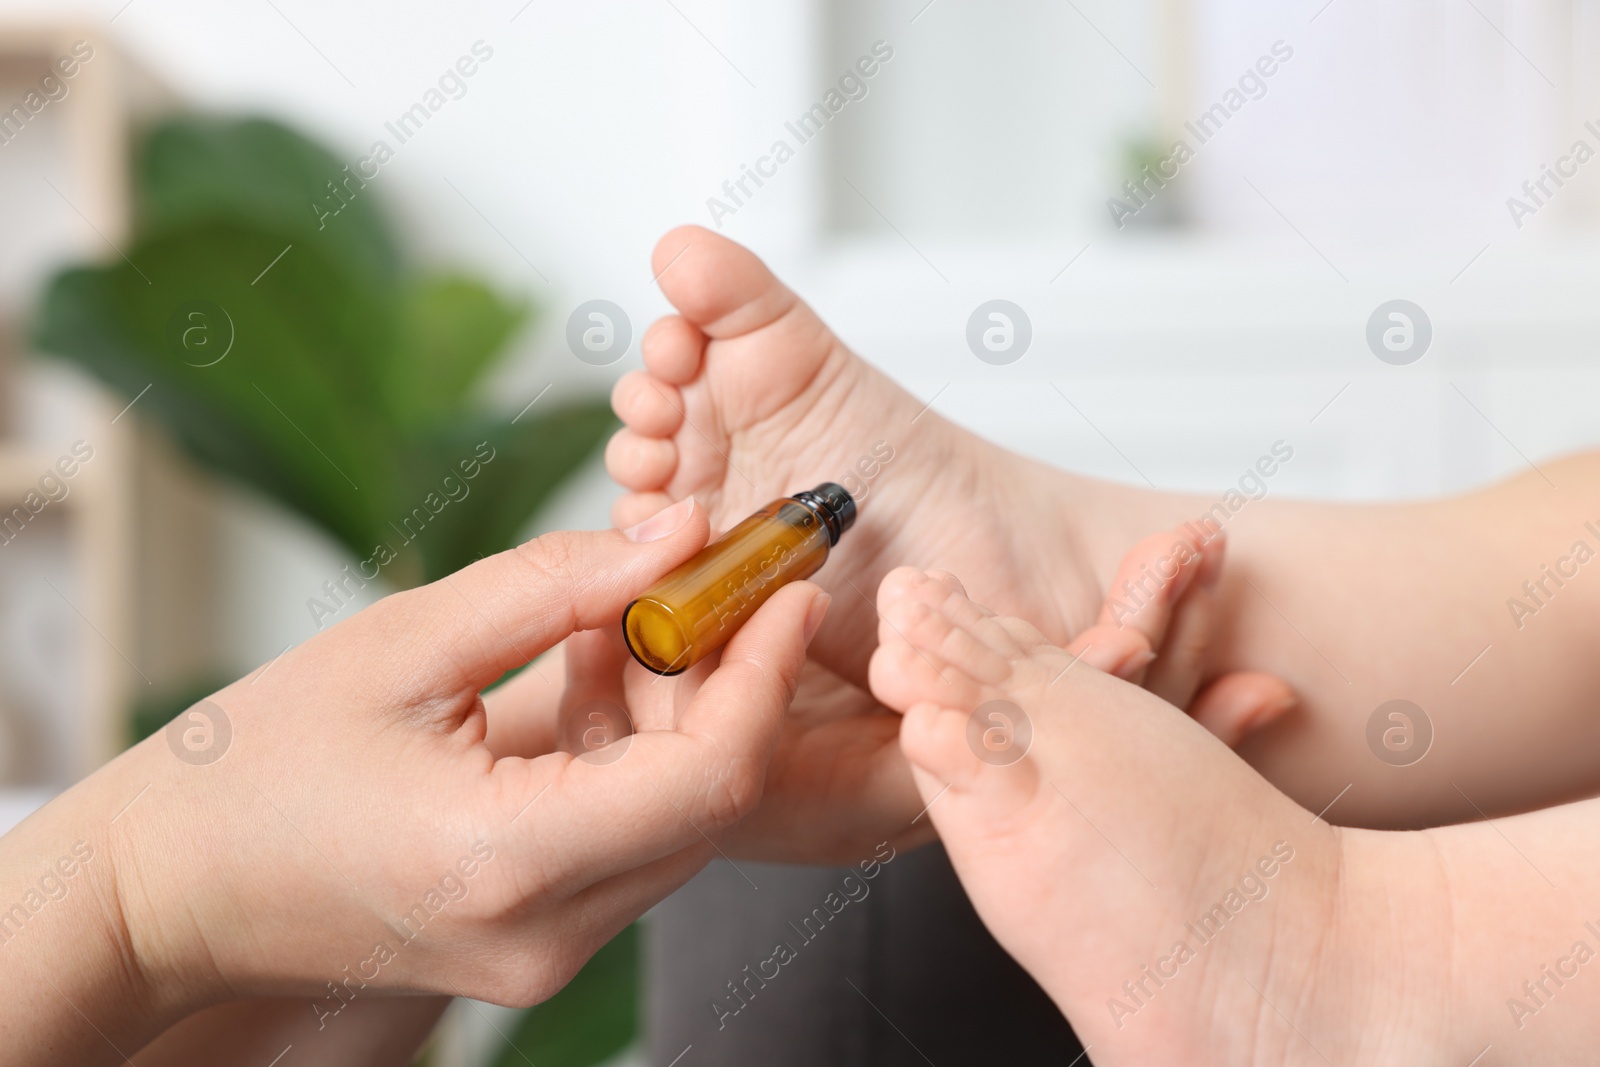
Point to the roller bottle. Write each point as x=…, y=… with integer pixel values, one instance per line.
x=695, y=610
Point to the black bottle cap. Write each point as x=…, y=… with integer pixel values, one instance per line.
x=836, y=506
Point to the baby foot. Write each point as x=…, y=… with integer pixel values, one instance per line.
x=1177, y=907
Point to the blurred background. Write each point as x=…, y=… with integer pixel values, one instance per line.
x=221, y=301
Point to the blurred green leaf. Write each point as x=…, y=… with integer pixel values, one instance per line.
x=451, y=329
x=299, y=361
x=290, y=407
x=589, y=1021
x=198, y=168
x=531, y=457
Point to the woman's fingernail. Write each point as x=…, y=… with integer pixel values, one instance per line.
x=1264, y=716
x=815, y=614
x=1276, y=709
x=1134, y=664
x=662, y=523
x=1211, y=561
x=1185, y=575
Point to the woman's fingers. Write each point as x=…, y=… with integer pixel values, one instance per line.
x=1233, y=706
x=522, y=713
x=660, y=791
x=1176, y=672
x=1156, y=627
x=742, y=704
x=1150, y=579
x=1148, y=588
x=594, y=712
x=1237, y=705
x=499, y=613
x=1151, y=588
x=1119, y=650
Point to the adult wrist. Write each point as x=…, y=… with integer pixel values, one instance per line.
x=84, y=985
x=151, y=901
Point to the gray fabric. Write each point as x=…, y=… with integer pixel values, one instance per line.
x=929, y=983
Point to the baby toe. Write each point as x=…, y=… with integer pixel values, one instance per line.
x=913, y=621
x=970, y=635
x=948, y=581
x=1122, y=651
x=901, y=676
x=948, y=744
x=897, y=585
x=1022, y=633
x=934, y=738
x=918, y=621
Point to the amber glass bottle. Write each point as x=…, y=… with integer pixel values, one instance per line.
x=695, y=609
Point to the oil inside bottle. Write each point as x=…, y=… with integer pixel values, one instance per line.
x=694, y=610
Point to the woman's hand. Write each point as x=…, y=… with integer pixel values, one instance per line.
x=838, y=784
x=335, y=824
